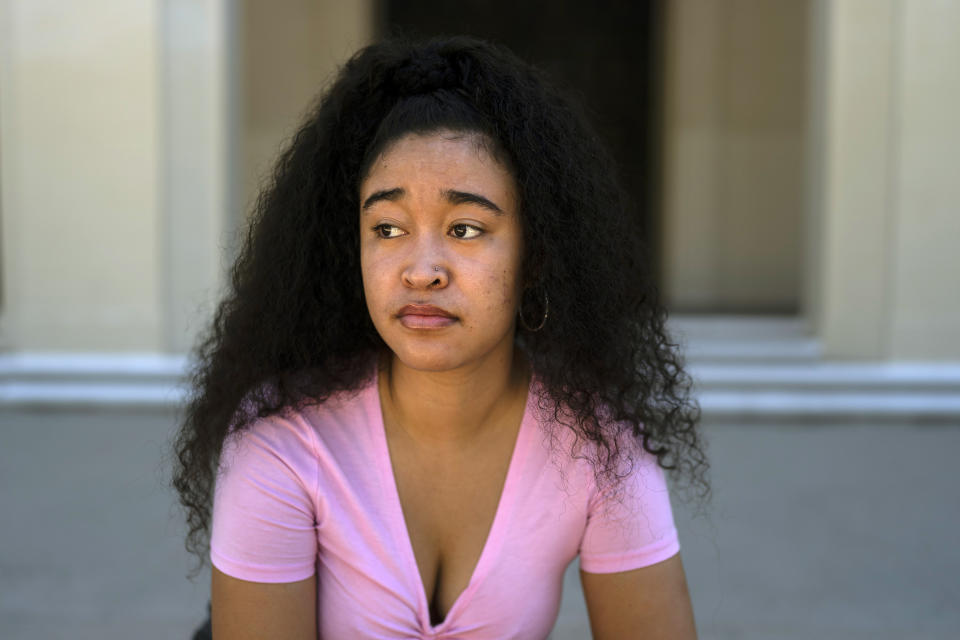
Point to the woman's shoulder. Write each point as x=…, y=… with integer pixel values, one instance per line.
x=343, y=411
x=306, y=426
x=582, y=448
x=570, y=427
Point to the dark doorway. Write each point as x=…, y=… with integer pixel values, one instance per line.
x=605, y=53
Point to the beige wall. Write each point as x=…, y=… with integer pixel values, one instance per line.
x=197, y=174
x=79, y=129
x=811, y=152
x=120, y=126
x=856, y=163
x=289, y=50
x=734, y=135
x=889, y=196
x=132, y=134
x=925, y=307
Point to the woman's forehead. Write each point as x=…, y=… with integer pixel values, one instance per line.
x=442, y=154
x=447, y=139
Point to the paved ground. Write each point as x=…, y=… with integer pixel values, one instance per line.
x=816, y=531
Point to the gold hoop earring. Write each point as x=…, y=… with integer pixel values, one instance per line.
x=543, y=321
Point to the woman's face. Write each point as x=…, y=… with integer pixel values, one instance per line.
x=440, y=251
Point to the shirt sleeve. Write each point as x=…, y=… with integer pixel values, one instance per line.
x=265, y=508
x=633, y=526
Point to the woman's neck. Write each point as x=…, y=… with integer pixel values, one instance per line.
x=450, y=409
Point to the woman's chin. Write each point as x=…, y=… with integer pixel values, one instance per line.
x=433, y=355
x=447, y=353
x=426, y=361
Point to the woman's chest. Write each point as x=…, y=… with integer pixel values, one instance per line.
x=449, y=505
x=476, y=543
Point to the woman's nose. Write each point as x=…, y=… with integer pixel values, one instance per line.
x=426, y=270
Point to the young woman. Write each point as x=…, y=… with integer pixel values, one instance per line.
x=441, y=374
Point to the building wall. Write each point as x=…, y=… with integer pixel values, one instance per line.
x=856, y=164
x=889, y=199
x=79, y=166
x=925, y=309
x=196, y=78
x=734, y=138
x=132, y=134
x=289, y=51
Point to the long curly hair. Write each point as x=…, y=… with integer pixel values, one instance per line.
x=294, y=329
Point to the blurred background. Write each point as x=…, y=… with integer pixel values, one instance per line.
x=796, y=166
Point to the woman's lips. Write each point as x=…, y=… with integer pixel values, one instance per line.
x=417, y=316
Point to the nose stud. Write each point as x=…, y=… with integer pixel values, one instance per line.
x=436, y=267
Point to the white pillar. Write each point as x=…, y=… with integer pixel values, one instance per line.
x=199, y=170
x=925, y=305
x=856, y=177
x=887, y=194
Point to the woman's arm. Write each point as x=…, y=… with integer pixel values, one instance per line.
x=650, y=602
x=242, y=610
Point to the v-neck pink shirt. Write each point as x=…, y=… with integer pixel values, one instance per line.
x=314, y=492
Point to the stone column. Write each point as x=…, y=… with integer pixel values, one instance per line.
x=885, y=193
x=80, y=167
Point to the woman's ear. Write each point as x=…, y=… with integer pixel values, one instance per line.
x=533, y=269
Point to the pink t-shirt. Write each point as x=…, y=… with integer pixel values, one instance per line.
x=314, y=493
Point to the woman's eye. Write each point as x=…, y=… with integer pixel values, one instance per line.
x=465, y=231
x=387, y=231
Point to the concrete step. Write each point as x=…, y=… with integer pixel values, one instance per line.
x=742, y=367
x=764, y=368
x=828, y=390
x=93, y=380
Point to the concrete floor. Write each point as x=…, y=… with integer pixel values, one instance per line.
x=815, y=531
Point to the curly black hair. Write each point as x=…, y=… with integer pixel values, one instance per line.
x=294, y=328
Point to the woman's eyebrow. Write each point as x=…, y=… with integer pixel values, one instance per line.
x=387, y=194
x=465, y=197
x=451, y=195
